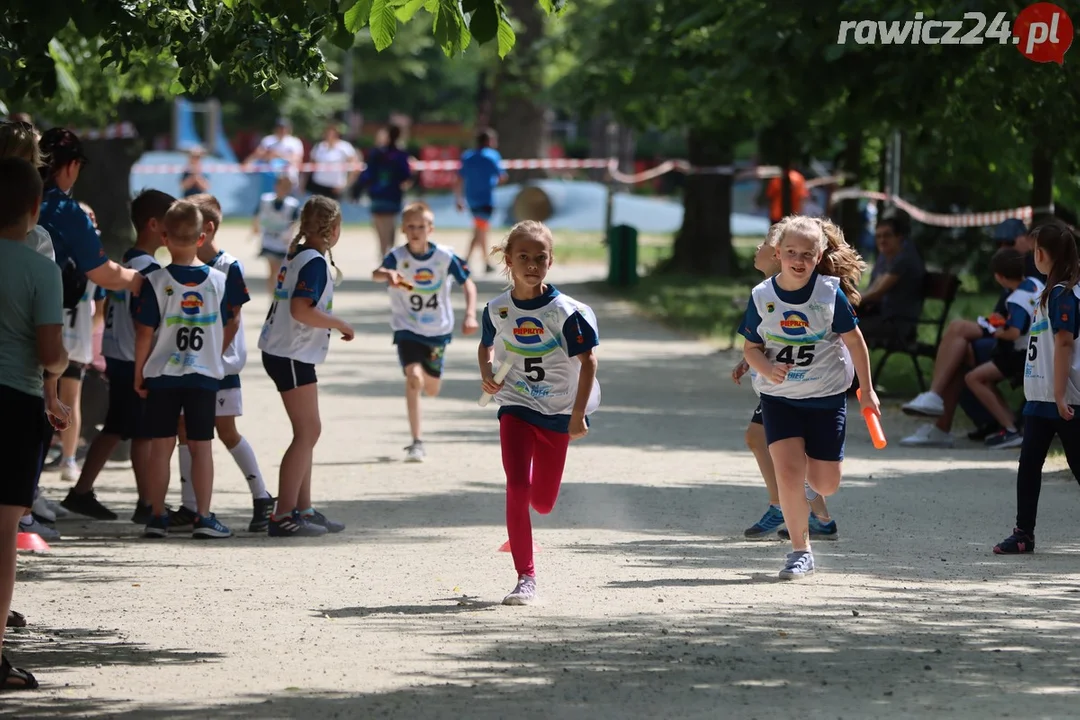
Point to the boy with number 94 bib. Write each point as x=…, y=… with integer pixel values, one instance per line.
x=421, y=275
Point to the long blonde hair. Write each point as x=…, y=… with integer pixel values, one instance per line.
x=526, y=229
x=838, y=259
x=317, y=220
x=19, y=139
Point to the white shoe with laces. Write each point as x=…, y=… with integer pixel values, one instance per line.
x=69, y=471
x=524, y=592
x=415, y=453
x=927, y=404
x=928, y=436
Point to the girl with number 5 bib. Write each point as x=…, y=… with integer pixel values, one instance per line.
x=295, y=338
x=796, y=327
x=549, y=339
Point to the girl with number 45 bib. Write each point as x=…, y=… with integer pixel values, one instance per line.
x=796, y=327
x=549, y=339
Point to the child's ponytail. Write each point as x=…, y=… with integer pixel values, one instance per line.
x=1058, y=241
x=842, y=261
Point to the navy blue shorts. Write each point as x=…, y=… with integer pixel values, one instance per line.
x=822, y=429
x=756, y=417
x=983, y=349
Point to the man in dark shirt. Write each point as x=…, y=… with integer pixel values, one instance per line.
x=891, y=306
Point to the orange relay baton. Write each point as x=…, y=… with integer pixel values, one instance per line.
x=873, y=424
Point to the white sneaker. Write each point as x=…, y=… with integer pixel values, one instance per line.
x=928, y=436
x=41, y=508
x=47, y=533
x=927, y=404
x=69, y=471
x=524, y=592
x=415, y=452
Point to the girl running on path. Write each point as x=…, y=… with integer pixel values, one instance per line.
x=549, y=338
x=295, y=338
x=797, y=325
x=1051, y=378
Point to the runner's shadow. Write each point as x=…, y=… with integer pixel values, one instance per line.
x=748, y=579
x=462, y=604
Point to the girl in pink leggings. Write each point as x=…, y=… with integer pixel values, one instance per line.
x=549, y=339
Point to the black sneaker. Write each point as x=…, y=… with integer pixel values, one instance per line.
x=1018, y=543
x=183, y=519
x=142, y=514
x=87, y=504
x=981, y=433
x=260, y=516
x=294, y=525
x=317, y=518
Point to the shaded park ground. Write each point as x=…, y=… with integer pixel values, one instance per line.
x=653, y=604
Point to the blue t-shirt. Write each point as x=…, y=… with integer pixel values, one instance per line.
x=460, y=272
x=480, y=172
x=384, y=172
x=73, y=234
x=1061, y=312
x=844, y=321
x=580, y=337
x=147, y=312
x=311, y=280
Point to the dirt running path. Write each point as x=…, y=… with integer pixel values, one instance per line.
x=654, y=604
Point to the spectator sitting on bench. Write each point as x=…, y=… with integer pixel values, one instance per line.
x=957, y=351
x=890, y=308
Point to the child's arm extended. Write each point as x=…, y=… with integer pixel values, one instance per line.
x=1063, y=353
x=860, y=358
x=586, y=377
x=469, y=326
x=391, y=276
x=304, y=311
x=144, y=340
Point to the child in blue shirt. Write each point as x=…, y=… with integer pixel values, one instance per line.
x=481, y=170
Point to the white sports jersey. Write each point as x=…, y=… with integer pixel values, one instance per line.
x=802, y=335
x=79, y=328
x=282, y=334
x=1028, y=300
x=274, y=223
x=424, y=310
x=236, y=354
x=118, y=339
x=190, y=337
x=1039, y=365
x=543, y=376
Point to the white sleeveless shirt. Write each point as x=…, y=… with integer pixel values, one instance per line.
x=282, y=335
x=543, y=376
x=118, y=338
x=1029, y=301
x=801, y=335
x=274, y=223
x=1039, y=364
x=78, y=332
x=425, y=310
x=236, y=354
x=189, y=339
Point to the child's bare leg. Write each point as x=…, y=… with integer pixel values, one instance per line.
x=302, y=406
x=819, y=508
x=789, y=460
x=982, y=381
x=952, y=351
x=755, y=440
x=97, y=455
x=202, y=474
x=70, y=390
x=142, y=467
x=157, y=481
x=414, y=385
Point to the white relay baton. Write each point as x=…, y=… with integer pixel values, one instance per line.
x=500, y=375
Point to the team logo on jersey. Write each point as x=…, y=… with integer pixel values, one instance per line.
x=529, y=331
x=405, y=265
x=770, y=307
x=794, y=323
x=168, y=290
x=423, y=276
x=503, y=312
x=281, y=275
x=191, y=303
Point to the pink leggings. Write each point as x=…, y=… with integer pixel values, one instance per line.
x=533, y=459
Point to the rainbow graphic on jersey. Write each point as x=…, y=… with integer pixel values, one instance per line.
x=529, y=338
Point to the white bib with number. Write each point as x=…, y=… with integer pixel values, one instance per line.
x=79, y=328
x=118, y=339
x=275, y=222
x=282, y=334
x=236, y=354
x=424, y=310
x=1039, y=364
x=543, y=376
x=1028, y=300
x=190, y=336
x=802, y=336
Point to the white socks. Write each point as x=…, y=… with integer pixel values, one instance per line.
x=245, y=460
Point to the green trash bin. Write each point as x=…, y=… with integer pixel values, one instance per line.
x=622, y=256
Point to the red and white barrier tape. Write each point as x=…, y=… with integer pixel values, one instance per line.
x=124, y=130
x=957, y=220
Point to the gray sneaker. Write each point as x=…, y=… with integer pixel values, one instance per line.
x=415, y=453
x=47, y=533
x=798, y=565
x=524, y=592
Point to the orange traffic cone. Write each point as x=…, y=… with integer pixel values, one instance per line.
x=31, y=541
x=505, y=547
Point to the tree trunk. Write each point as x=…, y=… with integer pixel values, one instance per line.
x=848, y=215
x=703, y=244
x=517, y=116
x=104, y=185
x=1042, y=182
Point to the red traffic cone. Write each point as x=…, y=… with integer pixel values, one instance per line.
x=31, y=541
x=505, y=547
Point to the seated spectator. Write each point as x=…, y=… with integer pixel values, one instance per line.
x=957, y=351
x=890, y=308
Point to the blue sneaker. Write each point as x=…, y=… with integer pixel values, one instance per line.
x=208, y=528
x=294, y=525
x=157, y=527
x=767, y=525
x=317, y=518
x=818, y=530
x=798, y=565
